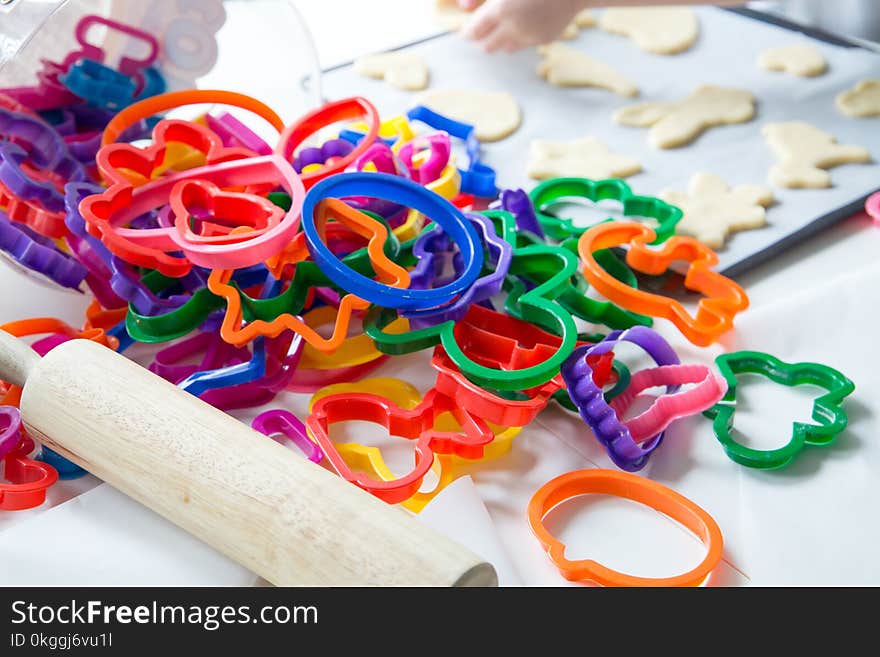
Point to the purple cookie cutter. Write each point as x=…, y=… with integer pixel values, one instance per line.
x=431, y=246
x=319, y=155
x=10, y=429
x=235, y=133
x=39, y=254
x=280, y=422
x=518, y=203
x=608, y=428
x=24, y=187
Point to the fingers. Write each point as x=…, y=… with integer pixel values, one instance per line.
x=483, y=23
x=469, y=5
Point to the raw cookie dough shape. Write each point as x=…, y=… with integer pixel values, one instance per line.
x=680, y=122
x=862, y=101
x=583, y=19
x=660, y=30
x=404, y=70
x=801, y=59
x=565, y=66
x=448, y=14
x=494, y=114
x=579, y=158
x=712, y=209
x=804, y=152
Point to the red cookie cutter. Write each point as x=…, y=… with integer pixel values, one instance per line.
x=29, y=479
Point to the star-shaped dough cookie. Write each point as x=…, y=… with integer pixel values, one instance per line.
x=565, y=66
x=403, y=70
x=579, y=158
x=712, y=209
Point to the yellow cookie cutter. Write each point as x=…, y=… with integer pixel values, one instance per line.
x=397, y=127
x=355, y=350
x=446, y=467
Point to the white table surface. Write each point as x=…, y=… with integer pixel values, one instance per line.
x=814, y=523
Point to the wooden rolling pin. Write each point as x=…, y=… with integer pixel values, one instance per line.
x=276, y=513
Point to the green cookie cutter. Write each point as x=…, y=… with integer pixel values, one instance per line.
x=537, y=306
x=572, y=297
x=556, y=190
x=830, y=417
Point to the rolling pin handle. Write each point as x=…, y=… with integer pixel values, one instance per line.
x=17, y=359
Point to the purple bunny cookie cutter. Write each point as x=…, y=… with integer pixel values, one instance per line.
x=433, y=243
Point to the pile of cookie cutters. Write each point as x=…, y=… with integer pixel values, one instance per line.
x=304, y=262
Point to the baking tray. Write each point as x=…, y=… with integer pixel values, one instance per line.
x=726, y=54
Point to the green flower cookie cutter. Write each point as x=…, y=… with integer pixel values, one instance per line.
x=537, y=306
x=828, y=413
x=557, y=190
x=573, y=297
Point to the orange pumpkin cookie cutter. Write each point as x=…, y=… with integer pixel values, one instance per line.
x=631, y=487
x=715, y=312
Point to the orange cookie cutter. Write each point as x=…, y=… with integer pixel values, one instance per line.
x=715, y=312
x=631, y=487
x=388, y=272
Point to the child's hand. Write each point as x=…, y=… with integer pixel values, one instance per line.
x=511, y=25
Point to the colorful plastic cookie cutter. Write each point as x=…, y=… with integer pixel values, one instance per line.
x=518, y=203
x=342, y=110
x=107, y=212
x=828, y=413
x=189, y=316
x=10, y=429
x=234, y=133
x=271, y=316
x=67, y=470
x=127, y=65
x=48, y=93
x=872, y=207
x=435, y=242
x=492, y=349
x=630, y=487
x=171, y=362
x=599, y=416
x=715, y=312
x=438, y=150
x=407, y=193
x=445, y=467
x=39, y=254
x=355, y=350
x=49, y=325
x=557, y=190
x=414, y=421
x=29, y=479
x=477, y=178
x=708, y=388
x=107, y=88
x=542, y=265
x=327, y=153
x=281, y=422
x=394, y=132
x=147, y=107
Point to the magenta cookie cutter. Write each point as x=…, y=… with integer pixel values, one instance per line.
x=872, y=207
x=607, y=427
x=10, y=429
x=439, y=148
x=281, y=422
